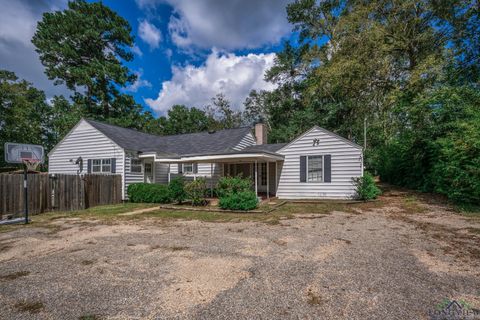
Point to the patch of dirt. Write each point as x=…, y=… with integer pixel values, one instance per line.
x=442, y=264
x=196, y=281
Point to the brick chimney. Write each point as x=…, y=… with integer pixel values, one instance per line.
x=261, y=133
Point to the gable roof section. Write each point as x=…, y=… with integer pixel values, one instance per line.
x=190, y=143
x=70, y=132
x=353, y=144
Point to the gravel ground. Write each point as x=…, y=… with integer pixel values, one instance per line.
x=373, y=264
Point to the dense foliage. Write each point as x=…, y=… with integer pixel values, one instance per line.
x=244, y=200
x=149, y=192
x=177, y=189
x=196, y=190
x=365, y=187
x=235, y=193
x=231, y=185
x=24, y=113
x=408, y=69
x=83, y=47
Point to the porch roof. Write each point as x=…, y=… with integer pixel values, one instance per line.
x=240, y=156
x=249, y=154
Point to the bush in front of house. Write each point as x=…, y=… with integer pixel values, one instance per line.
x=231, y=185
x=196, y=191
x=149, y=192
x=244, y=200
x=177, y=189
x=365, y=187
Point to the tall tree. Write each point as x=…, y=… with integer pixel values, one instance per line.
x=223, y=113
x=24, y=114
x=84, y=47
x=181, y=119
x=64, y=115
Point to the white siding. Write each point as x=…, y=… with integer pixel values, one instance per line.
x=87, y=142
x=131, y=177
x=346, y=164
x=203, y=171
x=161, y=173
x=246, y=141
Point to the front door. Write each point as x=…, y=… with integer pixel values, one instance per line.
x=148, y=170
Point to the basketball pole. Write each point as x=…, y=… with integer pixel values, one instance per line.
x=25, y=191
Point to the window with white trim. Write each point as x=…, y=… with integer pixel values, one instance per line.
x=315, y=168
x=188, y=168
x=101, y=165
x=136, y=165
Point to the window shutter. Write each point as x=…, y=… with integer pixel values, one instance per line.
x=113, y=165
x=89, y=166
x=327, y=162
x=303, y=169
x=179, y=168
x=195, y=168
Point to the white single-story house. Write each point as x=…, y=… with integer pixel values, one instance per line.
x=319, y=164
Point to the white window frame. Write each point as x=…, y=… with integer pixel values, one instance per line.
x=137, y=165
x=99, y=167
x=308, y=165
x=184, y=170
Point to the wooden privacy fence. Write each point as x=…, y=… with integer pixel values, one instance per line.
x=59, y=192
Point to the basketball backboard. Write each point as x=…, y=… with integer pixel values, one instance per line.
x=19, y=152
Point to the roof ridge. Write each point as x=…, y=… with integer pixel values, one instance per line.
x=165, y=136
x=131, y=129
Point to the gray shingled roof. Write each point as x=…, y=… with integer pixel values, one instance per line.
x=191, y=143
x=272, y=147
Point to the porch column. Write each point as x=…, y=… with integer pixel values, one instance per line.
x=211, y=180
x=268, y=182
x=169, y=173
x=276, y=177
x=256, y=178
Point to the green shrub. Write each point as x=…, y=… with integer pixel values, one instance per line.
x=231, y=185
x=177, y=189
x=211, y=192
x=244, y=200
x=365, y=187
x=196, y=191
x=149, y=192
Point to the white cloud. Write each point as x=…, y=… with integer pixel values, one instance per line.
x=139, y=83
x=233, y=24
x=150, y=34
x=233, y=75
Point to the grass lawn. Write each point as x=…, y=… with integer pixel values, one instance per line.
x=411, y=203
x=112, y=213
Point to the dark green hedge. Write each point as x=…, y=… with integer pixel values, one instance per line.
x=245, y=200
x=149, y=192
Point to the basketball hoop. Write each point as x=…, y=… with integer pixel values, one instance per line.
x=31, y=164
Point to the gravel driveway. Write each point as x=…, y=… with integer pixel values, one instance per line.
x=379, y=263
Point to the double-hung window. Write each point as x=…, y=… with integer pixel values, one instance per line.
x=101, y=165
x=136, y=165
x=315, y=168
x=188, y=168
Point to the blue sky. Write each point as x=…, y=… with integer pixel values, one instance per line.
x=185, y=51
